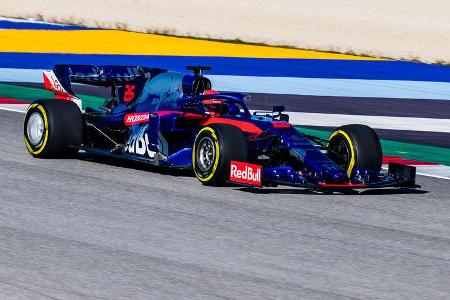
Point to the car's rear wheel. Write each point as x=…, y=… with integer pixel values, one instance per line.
x=354, y=147
x=214, y=148
x=53, y=128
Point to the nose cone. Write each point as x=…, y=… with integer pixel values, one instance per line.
x=338, y=175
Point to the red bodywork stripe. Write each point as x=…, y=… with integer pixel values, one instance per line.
x=244, y=126
x=342, y=185
x=163, y=113
x=278, y=124
x=168, y=112
x=195, y=116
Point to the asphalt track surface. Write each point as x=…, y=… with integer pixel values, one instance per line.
x=82, y=229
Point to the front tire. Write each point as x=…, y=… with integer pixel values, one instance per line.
x=355, y=146
x=214, y=148
x=53, y=128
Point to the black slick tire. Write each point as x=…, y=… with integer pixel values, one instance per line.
x=214, y=148
x=60, y=131
x=355, y=146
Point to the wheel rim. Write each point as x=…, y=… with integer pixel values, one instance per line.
x=35, y=128
x=339, y=152
x=206, y=154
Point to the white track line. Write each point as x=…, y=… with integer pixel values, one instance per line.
x=434, y=176
x=21, y=108
x=385, y=167
x=14, y=110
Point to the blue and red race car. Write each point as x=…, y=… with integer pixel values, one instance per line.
x=176, y=120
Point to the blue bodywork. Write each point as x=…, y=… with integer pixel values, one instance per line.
x=172, y=106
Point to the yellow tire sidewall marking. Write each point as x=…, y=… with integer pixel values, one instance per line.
x=216, y=159
x=352, y=151
x=44, y=142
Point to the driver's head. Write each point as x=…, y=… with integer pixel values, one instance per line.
x=214, y=106
x=210, y=92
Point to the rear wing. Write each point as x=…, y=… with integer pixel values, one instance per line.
x=99, y=75
x=60, y=79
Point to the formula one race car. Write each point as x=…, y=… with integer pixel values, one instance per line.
x=175, y=120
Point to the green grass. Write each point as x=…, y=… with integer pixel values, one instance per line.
x=434, y=154
x=31, y=94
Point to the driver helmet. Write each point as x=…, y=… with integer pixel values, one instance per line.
x=214, y=106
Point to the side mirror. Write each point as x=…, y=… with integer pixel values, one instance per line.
x=278, y=108
x=284, y=117
x=280, y=116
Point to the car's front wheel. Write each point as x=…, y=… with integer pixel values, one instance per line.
x=355, y=146
x=214, y=148
x=53, y=128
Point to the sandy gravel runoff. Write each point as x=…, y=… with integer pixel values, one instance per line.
x=408, y=29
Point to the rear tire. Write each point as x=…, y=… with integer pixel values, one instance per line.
x=355, y=146
x=214, y=148
x=53, y=128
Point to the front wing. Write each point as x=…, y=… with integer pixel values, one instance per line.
x=398, y=175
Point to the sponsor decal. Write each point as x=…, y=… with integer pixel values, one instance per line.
x=242, y=172
x=138, y=143
x=212, y=102
x=129, y=94
x=280, y=124
x=136, y=118
x=52, y=84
